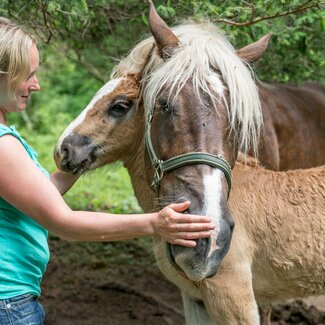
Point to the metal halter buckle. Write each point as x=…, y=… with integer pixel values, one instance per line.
x=158, y=174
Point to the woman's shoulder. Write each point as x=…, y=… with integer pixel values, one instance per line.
x=13, y=141
x=11, y=130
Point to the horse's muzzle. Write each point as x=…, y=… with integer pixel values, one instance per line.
x=77, y=153
x=202, y=261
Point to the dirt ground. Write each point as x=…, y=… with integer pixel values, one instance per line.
x=118, y=283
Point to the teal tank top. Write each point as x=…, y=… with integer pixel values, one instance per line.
x=24, y=251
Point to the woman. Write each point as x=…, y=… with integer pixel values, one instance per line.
x=31, y=201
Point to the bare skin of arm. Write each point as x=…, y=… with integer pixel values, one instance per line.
x=63, y=181
x=24, y=186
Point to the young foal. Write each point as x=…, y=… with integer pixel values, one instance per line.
x=278, y=245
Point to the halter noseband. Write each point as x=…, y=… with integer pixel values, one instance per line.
x=191, y=158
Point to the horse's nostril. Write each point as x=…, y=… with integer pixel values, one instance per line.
x=65, y=151
x=66, y=155
x=77, y=153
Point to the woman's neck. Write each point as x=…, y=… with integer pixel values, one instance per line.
x=3, y=119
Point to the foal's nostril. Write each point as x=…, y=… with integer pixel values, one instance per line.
x=77, y=152
x=65, y=151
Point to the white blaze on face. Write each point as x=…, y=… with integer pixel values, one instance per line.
x=212, y=198
x=105, y=90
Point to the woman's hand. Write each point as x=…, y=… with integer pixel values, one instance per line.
x=181, y=229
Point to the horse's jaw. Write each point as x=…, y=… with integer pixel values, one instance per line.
x=208, y=196
x=204, y=260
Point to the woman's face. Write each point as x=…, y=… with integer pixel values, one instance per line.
x=25, y=88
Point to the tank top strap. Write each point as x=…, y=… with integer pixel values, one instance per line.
x=4, y=130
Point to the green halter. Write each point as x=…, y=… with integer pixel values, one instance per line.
x=191, y=158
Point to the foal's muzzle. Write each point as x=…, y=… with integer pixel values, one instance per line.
x=77, y=153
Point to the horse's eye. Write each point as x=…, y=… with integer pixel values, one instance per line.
x=120, y=108
x=166, y=107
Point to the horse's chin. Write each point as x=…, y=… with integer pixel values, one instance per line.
x=202, y=261
x=76, y=169
x=196, y=269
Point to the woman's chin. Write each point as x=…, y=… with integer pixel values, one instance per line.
x=21, y=107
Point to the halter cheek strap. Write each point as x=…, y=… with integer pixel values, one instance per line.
x=192, y=158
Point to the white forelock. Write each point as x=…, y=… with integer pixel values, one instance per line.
x=206, y=58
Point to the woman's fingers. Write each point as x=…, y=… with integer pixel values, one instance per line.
x=180, y=207
x=183, y=242
x=178, y=216
x=188, y=238
x=190, y=218
x=192, y=227
x=182, y=229
x=194, y=235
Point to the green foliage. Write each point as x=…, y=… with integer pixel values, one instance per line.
x=296, y=50
x=97, y=33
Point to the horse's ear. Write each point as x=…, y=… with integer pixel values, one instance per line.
x=163, y=35
x=254, y=51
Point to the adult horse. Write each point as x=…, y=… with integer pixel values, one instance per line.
x=211, y=134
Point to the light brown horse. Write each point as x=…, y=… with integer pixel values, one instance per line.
x=80, y=152
x=294, y=126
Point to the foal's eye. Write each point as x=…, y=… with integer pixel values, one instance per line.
x=120, y=108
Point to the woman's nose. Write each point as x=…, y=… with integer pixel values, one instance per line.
x=35, y=85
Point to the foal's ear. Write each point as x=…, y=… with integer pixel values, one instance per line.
x=163, y=35
x=254, y=51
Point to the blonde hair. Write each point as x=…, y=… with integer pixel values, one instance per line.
x=15, y=45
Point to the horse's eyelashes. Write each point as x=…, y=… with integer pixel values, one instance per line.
x=120, y=108
x=166, y=107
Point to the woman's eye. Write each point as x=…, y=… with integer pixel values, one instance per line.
x=119, y=109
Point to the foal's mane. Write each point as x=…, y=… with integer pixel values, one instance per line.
x=206, y=58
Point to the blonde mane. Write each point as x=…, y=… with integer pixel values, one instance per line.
x=207, y=59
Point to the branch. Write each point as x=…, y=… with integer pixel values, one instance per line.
x=43, y=9
x=303, y=7
x=89, y=67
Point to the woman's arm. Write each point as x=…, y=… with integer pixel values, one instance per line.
x=63, y=181
x=24, y=186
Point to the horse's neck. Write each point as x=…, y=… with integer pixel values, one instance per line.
x=142, y=190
